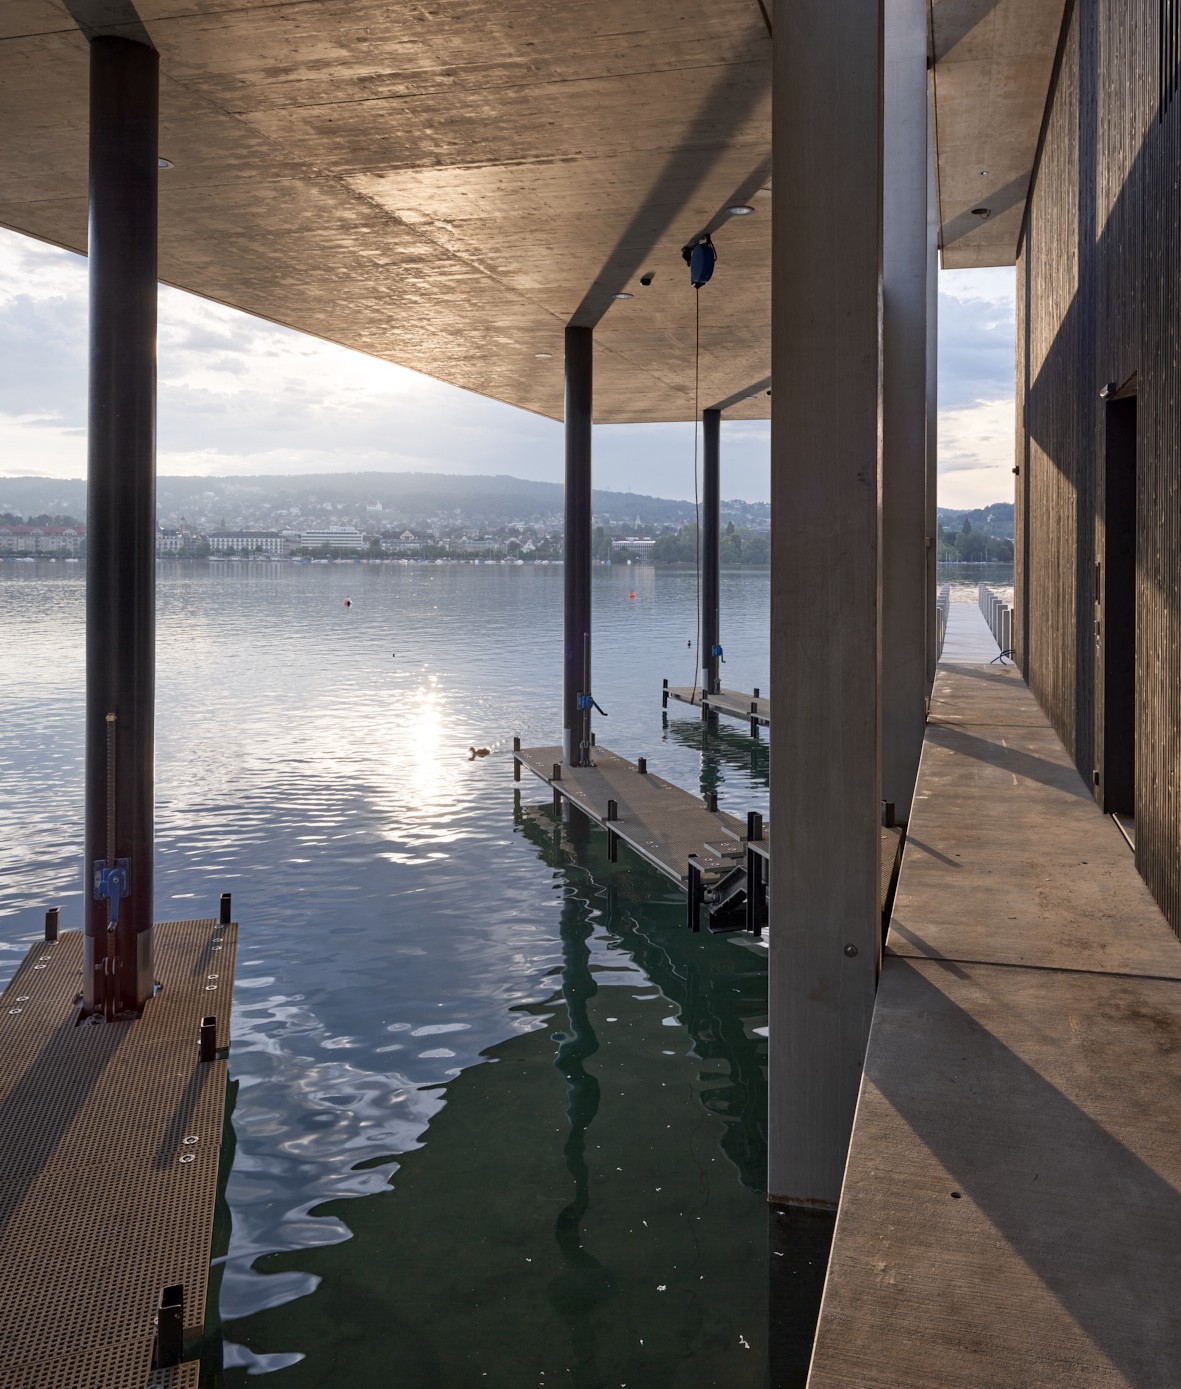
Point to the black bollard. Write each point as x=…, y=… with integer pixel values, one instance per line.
x=664, y=696
x=170, y=1327
x=52, y=921
x=516, y=760
x=696, y=895
x=224, y=919
x=642, y=766
x=207, y=1050
x=711, y=802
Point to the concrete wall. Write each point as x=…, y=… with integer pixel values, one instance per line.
x=1099, y=301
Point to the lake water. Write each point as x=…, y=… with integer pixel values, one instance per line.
x=498, y=1118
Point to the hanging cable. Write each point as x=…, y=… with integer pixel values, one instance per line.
x=696, y=498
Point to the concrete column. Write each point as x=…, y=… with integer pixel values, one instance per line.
x=576, y=667
x=711, y=543
x=932, y=393
x=825, y=787
x=121, y=526
x=905, y=599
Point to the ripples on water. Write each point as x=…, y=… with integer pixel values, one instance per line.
x=499, y=1119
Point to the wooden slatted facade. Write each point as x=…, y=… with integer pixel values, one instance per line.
x=1099, y=306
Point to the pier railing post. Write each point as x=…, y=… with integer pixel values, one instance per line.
x=121, y=526
x=576, y=671
x=711, y=541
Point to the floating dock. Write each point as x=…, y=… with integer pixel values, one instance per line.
x=754, y=709
x=706, y=851
x=1011, y=1210
x=110, y=1142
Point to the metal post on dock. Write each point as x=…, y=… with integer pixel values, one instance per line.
x=121, y=527
x=170, y=1320
x=664, y=695
x=612, y=837
x=225, y=915
x=52, y=923
x=576, y=669
x=711, y=541
x=696, y=895
x=516, y=759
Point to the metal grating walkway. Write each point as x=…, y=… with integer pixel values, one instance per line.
x=110, y=1137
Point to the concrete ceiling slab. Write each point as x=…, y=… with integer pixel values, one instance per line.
x=994, y=60
x=444, y=186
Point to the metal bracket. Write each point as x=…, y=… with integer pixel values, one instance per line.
x=112, y=882
x=586, y=702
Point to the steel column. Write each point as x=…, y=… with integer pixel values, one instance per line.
x=904, y=400
x=711, y=542
x=825, y=918
x=121, y=522
x=576, y=668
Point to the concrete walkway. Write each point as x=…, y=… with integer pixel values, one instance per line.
x=1011, y=1214
x=968, y=640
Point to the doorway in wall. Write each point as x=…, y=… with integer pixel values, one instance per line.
x=1115, y=618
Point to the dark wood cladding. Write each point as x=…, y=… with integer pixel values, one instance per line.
x=1098, y=302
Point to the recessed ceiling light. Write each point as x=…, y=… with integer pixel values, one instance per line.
x=739, y=210
x=164, y=163
x=623, y=294
x=540, y=355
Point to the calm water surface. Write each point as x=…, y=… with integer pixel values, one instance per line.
x=498, y=1119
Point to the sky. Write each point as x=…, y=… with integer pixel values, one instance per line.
x=239, y=396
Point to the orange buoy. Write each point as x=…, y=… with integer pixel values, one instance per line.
x=632, y=595
x=348, y=602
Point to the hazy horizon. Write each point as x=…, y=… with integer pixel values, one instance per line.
x=242, y=396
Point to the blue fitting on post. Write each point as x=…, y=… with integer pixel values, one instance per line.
x=112, y=882
x=588, y=701
x=717, y=651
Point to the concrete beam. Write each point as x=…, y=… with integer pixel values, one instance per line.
x=826, y=281
x=904, y=400
x=932, y=540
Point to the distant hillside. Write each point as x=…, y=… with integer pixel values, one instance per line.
x=995, y=520
x=369, y=500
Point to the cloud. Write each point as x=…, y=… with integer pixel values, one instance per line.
x=238, y=395
x=976, y=446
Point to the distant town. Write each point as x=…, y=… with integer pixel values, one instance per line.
x=419, y=517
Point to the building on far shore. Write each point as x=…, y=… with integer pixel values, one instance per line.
x=246, y=542
x=336, y=537
x=41, y=540
x=640, y=545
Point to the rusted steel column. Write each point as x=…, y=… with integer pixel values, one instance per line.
x=121, y=525
x=711, y=549
x=576, y=667
x=825, y=916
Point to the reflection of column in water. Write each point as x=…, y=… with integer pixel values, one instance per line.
x=584, y=1283
x=714, y=986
